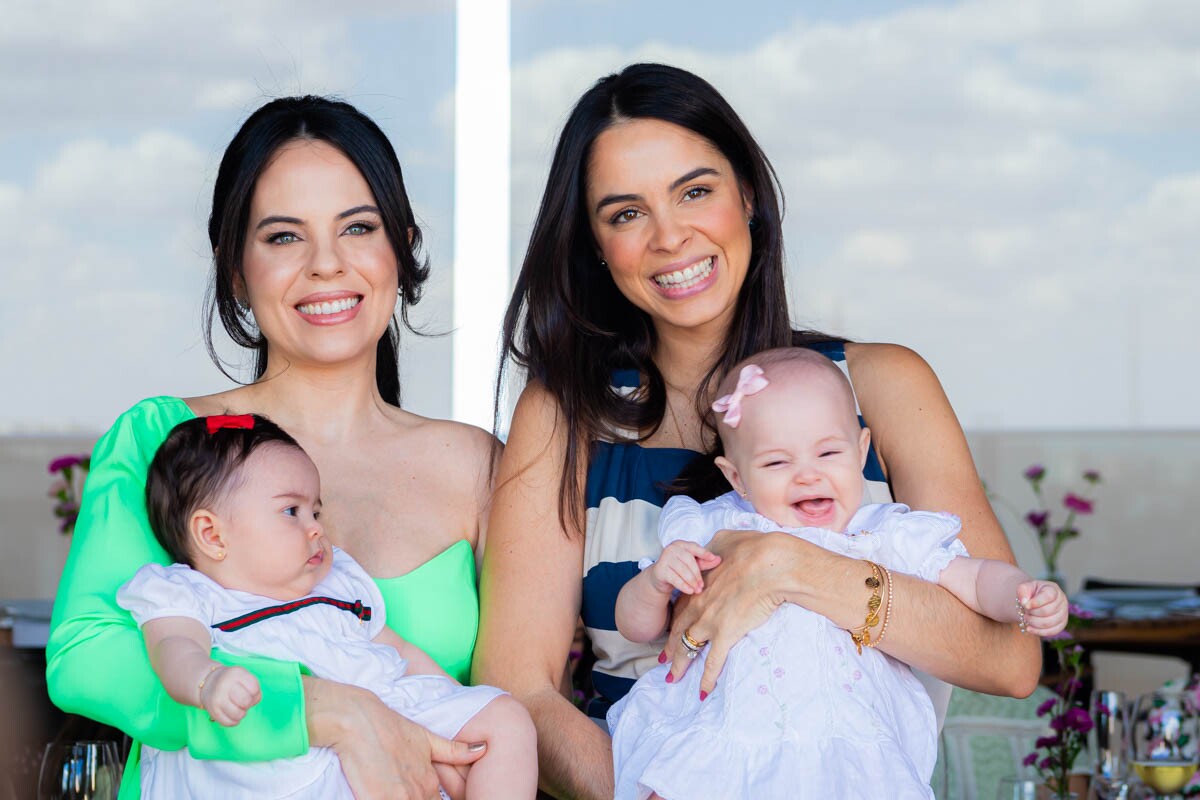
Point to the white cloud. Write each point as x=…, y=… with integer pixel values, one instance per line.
x=964, y=179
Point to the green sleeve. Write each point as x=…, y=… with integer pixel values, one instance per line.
x=96, y=661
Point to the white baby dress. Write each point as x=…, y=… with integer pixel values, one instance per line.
x=330, y=632
x=797, y=712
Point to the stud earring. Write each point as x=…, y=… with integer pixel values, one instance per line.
x=603, y=264
x=221, y=555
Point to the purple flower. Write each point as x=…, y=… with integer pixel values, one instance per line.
x=762, y=689
x=63, y=462
x=1064, y=634
x=1072, y=685
x=1045, y=741
x=778, y=673
x=1058, y=723
x=1030, y=760
x=1046, y=763
x=762, y=651
x=1077, y=504
x=1037, y=519
x=1035, y=472
x=1091, y=476
x=1045, y=707
x=1101, y=708
x=1078, y=719
x=1081, y=613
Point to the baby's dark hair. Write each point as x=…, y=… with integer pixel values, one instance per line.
x=197, y=464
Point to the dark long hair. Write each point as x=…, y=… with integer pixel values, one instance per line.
x=194, y=468
x=353, y=133
x=570, y=327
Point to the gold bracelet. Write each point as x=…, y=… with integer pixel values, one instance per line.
x=887, y=613
x=200, y=688
x=862, y=636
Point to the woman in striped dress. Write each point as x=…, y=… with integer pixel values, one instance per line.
x=655, y=265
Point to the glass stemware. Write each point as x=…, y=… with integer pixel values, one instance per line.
x=87, y=770
x=1108, y=743
x=1163, y=740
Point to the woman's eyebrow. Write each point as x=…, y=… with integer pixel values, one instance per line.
x=271, y=220
x=680, y=181
x=350, y=212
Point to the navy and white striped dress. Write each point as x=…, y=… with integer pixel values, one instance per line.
x=624, y=499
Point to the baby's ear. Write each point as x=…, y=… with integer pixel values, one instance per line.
x=864, y=442
x=206, y=536
x=731, y=474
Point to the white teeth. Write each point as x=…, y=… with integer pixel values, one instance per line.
x=329, y=306
x=686, y=277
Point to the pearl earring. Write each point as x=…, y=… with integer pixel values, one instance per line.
x=221, y=555
x=603, y=264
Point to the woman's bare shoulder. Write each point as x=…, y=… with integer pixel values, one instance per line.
x=464, y=440
x=234, y=401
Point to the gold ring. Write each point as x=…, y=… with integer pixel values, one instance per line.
x=691, y=644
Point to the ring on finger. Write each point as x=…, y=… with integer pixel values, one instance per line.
x=691, y=644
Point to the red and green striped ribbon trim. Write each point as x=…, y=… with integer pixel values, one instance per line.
x=237, y=623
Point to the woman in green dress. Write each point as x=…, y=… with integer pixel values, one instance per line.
x=314, y=246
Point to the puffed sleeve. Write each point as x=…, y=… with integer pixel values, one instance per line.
x=684, y=519
x=96, y=660
x=156, y=592
x=922, y=543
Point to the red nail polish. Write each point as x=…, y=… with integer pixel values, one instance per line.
x=670, y=678
x=703, y=695
x=662, y=657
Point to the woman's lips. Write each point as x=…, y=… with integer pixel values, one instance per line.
x=330, y=311
x=695, y=277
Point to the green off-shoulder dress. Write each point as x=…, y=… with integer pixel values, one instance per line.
x=96, y=659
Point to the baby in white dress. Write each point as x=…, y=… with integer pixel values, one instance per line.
x=235, y=501
x=803, y=708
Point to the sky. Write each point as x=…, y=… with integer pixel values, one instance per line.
x=1011, y=189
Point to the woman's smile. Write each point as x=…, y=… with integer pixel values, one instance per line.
x=689, y=280
x=329, y=308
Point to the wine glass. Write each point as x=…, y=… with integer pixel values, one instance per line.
x=1015, y=788
x=84, y=770
x=1163, y=742
x=1107, y=742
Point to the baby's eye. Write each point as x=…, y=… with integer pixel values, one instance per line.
x=772, y=464
x=831, y=453
x=316, y=515
x=283, y=237
x=292, y=511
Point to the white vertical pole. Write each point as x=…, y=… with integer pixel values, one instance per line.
x=481, y=203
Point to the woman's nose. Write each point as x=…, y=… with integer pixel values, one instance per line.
x=669, y=234
x=326, y=262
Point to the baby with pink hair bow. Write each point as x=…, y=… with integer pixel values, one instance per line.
x=803, y=709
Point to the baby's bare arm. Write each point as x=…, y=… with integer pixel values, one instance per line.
x=179, y=649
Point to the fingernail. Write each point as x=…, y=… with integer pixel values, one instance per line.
x=703, y=695
x=662, y=657
x=670, y=678
x=475, y=747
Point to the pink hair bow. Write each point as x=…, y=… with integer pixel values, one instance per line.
x=751, y=380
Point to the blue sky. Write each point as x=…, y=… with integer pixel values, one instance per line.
x=1011, y=189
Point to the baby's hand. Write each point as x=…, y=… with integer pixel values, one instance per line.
x=679, y=567
x=228, y=693
x=1045, y=607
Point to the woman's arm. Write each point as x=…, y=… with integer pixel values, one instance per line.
x=925, y=454
x=530, y=594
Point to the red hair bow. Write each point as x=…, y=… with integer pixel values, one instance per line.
x=219, y=421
